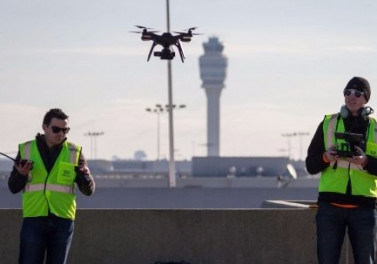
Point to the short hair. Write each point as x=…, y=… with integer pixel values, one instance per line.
x=54, y=113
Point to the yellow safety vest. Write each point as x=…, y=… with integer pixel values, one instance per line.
x=336, y=180
x=50, y=192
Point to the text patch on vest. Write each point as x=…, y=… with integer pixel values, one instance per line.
x=66, y=173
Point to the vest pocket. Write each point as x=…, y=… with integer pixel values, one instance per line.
x=371, y=149
x=66, y=173
x=364, y=184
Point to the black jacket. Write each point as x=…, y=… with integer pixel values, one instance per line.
x=17, y=182
x=315, y=163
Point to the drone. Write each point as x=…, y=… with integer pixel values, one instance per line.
x=166, y=40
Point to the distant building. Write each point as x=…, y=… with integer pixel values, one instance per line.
x=238, y=166
x=199, y=167
x=136, y=168
x=213, y=66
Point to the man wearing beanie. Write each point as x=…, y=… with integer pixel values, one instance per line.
x=360, y=84
x=348, y=183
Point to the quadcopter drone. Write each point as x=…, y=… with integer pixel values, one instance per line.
x=166, y=40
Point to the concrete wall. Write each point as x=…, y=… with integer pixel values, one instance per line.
x=217, y=236
x=172, y=198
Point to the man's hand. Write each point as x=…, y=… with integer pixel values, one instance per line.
x=331, y=154
x=83, y=169
x=361, y=159
x=24, y=168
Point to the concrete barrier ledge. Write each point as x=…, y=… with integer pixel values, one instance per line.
x=198, y=236
x=304, y=204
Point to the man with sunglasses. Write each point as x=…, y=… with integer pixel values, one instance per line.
x=348, y=182
x=46, y=170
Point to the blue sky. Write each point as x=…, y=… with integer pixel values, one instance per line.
x=288, y=62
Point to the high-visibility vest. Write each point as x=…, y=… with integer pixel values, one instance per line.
x=335, y=178
x=51, y=192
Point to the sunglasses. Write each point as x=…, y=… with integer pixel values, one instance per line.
x=354, y=92
x=56, y=129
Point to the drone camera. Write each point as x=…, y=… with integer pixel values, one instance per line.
x=165, y=54
x=168, y=55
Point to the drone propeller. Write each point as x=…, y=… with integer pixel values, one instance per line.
x=134, y=31
x=191, y=28
x=194, y=34
x=145, y=30
x=188, y=31
x=142, y=27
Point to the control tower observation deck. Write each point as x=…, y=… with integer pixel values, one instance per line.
x=213, y=66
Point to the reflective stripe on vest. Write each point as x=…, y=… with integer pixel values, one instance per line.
x=50, y=187
x=27, y=150
x=27, y=147
x=331, y=130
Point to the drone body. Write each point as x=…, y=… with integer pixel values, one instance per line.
x=166, y=40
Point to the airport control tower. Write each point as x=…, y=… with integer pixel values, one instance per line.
x=213, y=72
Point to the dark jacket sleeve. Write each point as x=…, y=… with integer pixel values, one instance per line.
x=85, y=182
x=371, y=166
x=16, y=181
x=314, y=161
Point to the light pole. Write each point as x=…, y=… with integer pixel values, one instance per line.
x=288, y=135
x=300, y=135
x=158, y=109
x=172, y=178
x=93, y=143
x=295, y=134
